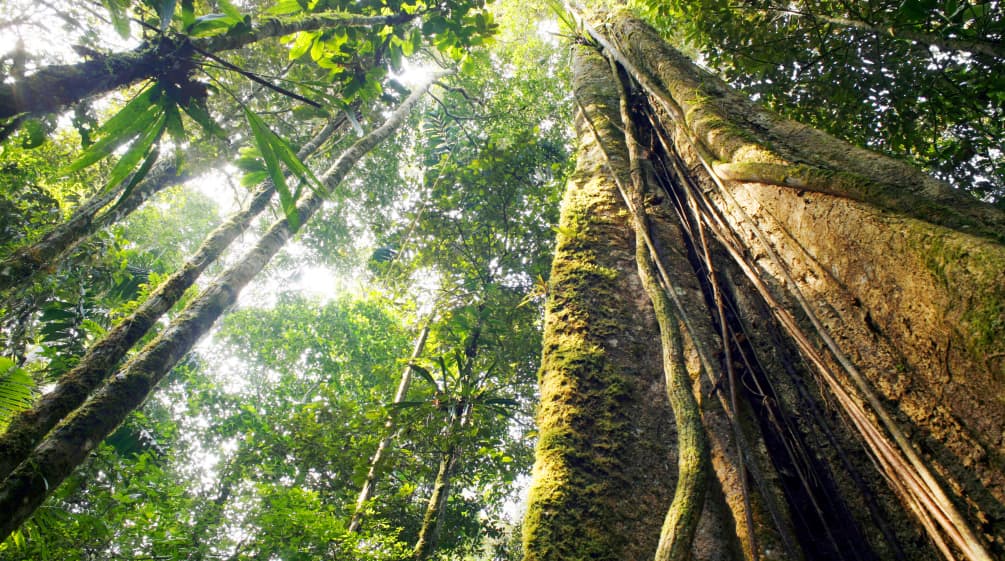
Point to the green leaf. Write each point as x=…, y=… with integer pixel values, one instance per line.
x=139, y=150
x=120, y=20
x=303, y=43
x=166, y=12
x=148, y=162
x=211, y=24
x=231, y=10
x=289, y=157
x=16, y=389
x=285, y=7
x=404, y=404
x=424, y=373
x=196, y=109
x=173, y=122
x=264, y=136
x=252, y=178
x=127, y=123
x=187, y=13
x=35, y=130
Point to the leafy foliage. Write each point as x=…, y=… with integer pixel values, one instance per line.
x=903, y=77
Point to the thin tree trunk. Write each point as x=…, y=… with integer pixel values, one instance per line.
x=20, y=268
x=432, y=520
x=366, y=492
x=55, y=87
x=68, y=445
x=28, y=428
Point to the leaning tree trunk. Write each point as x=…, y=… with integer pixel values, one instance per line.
x=861, y=301
x=377, y=460
x=432, y=520
x=28, y=427
x=70, y=443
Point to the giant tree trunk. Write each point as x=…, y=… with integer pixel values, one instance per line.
x=864, y=305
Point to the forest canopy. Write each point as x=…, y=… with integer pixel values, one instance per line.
x=274, y=273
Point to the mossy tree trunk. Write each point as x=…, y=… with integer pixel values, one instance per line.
x=860, y=303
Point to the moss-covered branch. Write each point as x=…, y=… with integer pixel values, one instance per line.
x=55, y=87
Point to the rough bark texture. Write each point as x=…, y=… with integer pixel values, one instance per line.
x=681, y=521
x=904, y=276
x=603, y=474
x=67, y=446
x=918, y=306
x=606, y=463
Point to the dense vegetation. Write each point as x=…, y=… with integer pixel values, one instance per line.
x=390, y=347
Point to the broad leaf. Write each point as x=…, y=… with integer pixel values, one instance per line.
x=139, y=150
x=265, y=141
x=131, y=120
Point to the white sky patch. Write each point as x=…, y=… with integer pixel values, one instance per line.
x=223, y=187
x=318, y=282
x=547, y=31
x=414, y=74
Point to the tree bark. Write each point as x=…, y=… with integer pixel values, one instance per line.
x=30, y=426
x=603, y=475
x=55, y=87
x=370, y=483
x=857, y=290
x=681, y=522
x=432, y=520
x=68, y=445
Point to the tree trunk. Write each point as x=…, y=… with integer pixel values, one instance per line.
x=862, y=300
x=432, y=520
x=370, y=482
x=56, y=457
x=20, y=268
x=436, y=508
x=28, y=428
